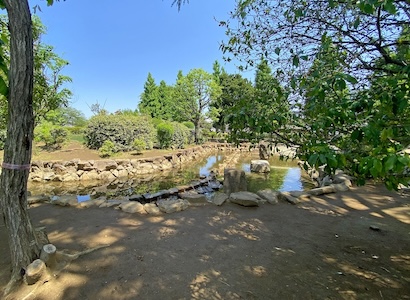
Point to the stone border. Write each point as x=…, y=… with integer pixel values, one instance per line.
x=111, y=169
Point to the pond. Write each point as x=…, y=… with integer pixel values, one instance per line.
x=284, y=176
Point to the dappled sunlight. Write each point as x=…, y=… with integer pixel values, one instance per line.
x=402, y=214
x=402, y=260
x=246, y=229
x=347, y=268
x=354, y=204
x=166, y=232
x=207, y=285
x=49, y=221
x=221, y=218
x=130, y=222
x=377, y=215
x=155, y=219
x=257, y=271
x=121, y=289
x=218, y=237
x=281, y=251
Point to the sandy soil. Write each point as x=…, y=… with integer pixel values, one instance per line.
x=321, y=249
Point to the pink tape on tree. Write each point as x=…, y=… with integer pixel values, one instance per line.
x=15, y=167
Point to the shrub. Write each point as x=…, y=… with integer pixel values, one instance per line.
x=182, y=136
x=139, y=145
x=3, y=136
x=53, y=136
x=107, y=149
x=122, y=130
x=189, y=124
x=165, y=132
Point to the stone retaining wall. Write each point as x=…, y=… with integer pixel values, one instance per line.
x=110, y=169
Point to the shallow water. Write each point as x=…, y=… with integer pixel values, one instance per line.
x=284, y=176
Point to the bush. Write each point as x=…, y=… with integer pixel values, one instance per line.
x=165, y=132
x=107, y=149
x=3, y=136
x=53, y=136
x=139, y=145
x=122, y=130
x=182, y=136
x=189, y=124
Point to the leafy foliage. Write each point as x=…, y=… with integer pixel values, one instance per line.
x=165, y=131
x=107, y=149
x=343, y=68
x=122, y=130
x=53, y=136
x=139, y=145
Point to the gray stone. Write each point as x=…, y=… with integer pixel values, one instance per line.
x=322, y=190
x=152, y=209
x=219, y=198
x=37, y=199
x=172, y=205
x=234, y=181
x=111, y=203
x=260, y=166
x=193, y=198
x=132, y=207
x=90, y=203
x=340, y=187
x=286, y=196
x=269, y=195
x=65, y=200
x=245, y=199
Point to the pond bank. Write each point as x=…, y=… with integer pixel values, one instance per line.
x=111, y=169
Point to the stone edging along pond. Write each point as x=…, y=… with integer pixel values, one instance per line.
x=110, y=169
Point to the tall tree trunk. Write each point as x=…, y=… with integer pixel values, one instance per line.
x=24, y=246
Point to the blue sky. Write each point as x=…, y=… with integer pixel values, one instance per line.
x=112, y=47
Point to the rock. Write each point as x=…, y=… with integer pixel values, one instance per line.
x=106, y=175
x=132, y=207
x=340, y=187
x=234, y=181
x=260, y=166
x=92, y=175
x=66, y=200
x=341, y=177
x=322, y=190
x=215, y=184
x=245, y=199
x=172, y=205
x=111, y=203
x=35, y=271
x=152, y=209
x=193, y=198
x=37, y=199
x=137, y=197
x=286, y=196
x=90, y=203
x=269, y=195
x=219, y=198
x=263, y=152
x=105, y=165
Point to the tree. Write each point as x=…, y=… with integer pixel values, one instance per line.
x=49, y=92
x=23, y=242
x=234, y=90
x=165, y=94
x=339, y=122
x=265, y=112
x=194, y=93
x=149, y=103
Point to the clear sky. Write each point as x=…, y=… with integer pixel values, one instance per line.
x=112, y=45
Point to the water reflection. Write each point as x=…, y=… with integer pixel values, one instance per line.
x=284, y=176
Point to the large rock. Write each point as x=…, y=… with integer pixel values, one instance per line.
x=193, y=198
x=286, y=196
x=152, y=209
x=269, y=195
x=260, y=166
x=263, y=152
x=219, y=198
x=132, y=207
x=174, y=205
x=234, y=181
x=65, y=200
x=322, y=190
x=245, y=199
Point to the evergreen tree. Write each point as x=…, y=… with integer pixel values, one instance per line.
x=149, y=104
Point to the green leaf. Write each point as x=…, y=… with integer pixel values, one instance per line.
x=390, y=7
x=295, y=61
x=349, y=78
x=4, y=90
x=376, y=169
x=312, y=160
x=390, y=163
x=277, y=50
x=356, y=22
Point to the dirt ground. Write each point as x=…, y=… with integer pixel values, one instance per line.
x=320, y=249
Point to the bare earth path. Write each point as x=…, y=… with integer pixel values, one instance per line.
x=321, y=249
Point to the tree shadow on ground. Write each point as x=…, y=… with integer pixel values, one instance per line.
x=323, y=248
